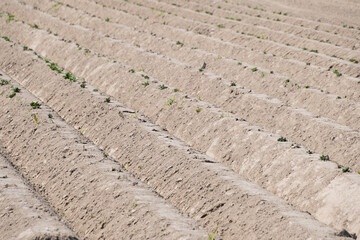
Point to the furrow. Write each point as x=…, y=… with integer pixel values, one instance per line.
x=238, y=150
x=320, y=24
x=217, y=197
x=332, y=139
x=24, y=215
x=254, y=39
x=277, y=22
x=310, y=75
x=92, y=193
x=343, y=111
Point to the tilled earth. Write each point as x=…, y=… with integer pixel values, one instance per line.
x=159, y=119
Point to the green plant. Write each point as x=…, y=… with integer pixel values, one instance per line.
x=70, y=76
x=282, y=139
x=50, y=116
x=54, y=67
x=107, y=100
x=107, y=19
x=145, y=83
x=145, y=76
x=198, y=110
x=324, y=157
x=95, y=90
x=34, y=26
x=4, y=82
x=239, y=63
x=233, y=84
x=220, y=26
x=35, y=105
x=27, y=48
x=337, y=73
x=254, y=69
x=305, y=48
x=6, y=38
x=287, y=80
x=353, y=60
x=83, y=85
x=12, y=95
x=36, y=119
x=131, y=71
x=16, y=89
x=162, y=87
x=10, y=18
x=288, y=44
x=262, y=74
x=309, y=152
x=170, y=101
x=212, y=235
x=176, y=89
x=314, y=51
x=307, y=86
x=179, y=43
x=346, y=169
x=210, y=13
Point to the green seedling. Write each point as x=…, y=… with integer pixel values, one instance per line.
x=198, y=110
x=134, y=205
x=179, y=43
x=95, y=90
x=212, y=235
x=346, y=169
x=337, y=73
x=35, y=105
x=83, y=85
x=54, y=67
x=50, y=116
x=287, y=80
x=305, y=49
x=162, y=87
x=131, y=71
x=10, y=18
x=12, y=95
x=176, y=89
x=107, y=100
x=145, y=83
x=36, y=119
x=233, y=84
x=353, y=60
x=308, y=64
x=220, y=26
x=254, y=69
x=210, y=13
x=170, y=101
x=314, y=51
x=6, y=38
x=107, y=19
x=145, y=76
x=4, y=82
x=307, y=86
x=324, y=157
x=288, y=44
x=262, y=74
x=282, y=139
x=27, y=48
x=70, y=76
x=34, y=26
x=239, y=63
x=309, y=152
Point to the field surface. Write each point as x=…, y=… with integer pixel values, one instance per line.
x=179, y=119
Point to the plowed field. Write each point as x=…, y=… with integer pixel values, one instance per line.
x=178, y=119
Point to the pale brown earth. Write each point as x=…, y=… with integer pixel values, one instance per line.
x=151, y=147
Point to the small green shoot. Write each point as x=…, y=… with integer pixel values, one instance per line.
x=35, y=105
x=314, y=51
x=346, y=169
x=254, y=69
x=353, y=60
x=145, y=83
x=4, y=82
x=12, y=95
x=95, y=90
x=170, y=101
x=176, y=89
x=198, y=110
x=337, y=73
x=162, y=87
x=324, y=157
x=50, y=116
x=220, y=26
x=131, y=71
x=282, y=139
x=6, y=38
x=107, y=19
x=36, y=119
x=70, y=76
x=107, y=100
x=83, y=85
x=212, y=236
x=233, y=84
x=179, y=43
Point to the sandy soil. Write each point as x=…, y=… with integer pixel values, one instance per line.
x=192, y=149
